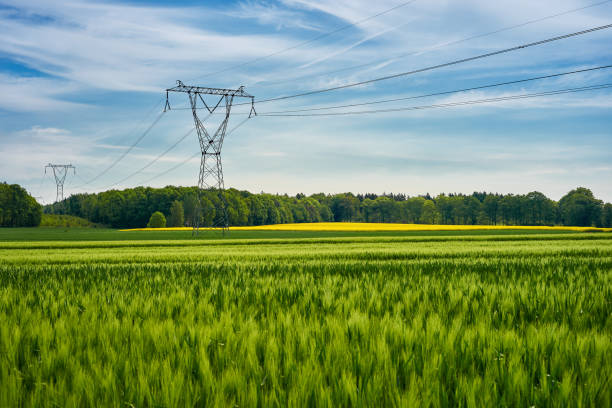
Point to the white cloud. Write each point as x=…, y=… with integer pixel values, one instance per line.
x=271, y=15
x=101, y=52
x=126, y=48
x=27, y=94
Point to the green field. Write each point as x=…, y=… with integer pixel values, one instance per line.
x=107, y=234
x=103, y=318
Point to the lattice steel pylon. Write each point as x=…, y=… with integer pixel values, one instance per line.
x=211, y=170
x=60, y=171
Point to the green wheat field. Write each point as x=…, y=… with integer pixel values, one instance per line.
x=262, y=319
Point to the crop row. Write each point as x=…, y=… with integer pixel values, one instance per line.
x=350, y=324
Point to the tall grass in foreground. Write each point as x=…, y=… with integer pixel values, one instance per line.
x=449, y=323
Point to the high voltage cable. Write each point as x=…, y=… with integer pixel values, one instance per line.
x=309, y=41
x=451, y=104
x=430, y=68
x=39, y=189
x=171, y=168
x=189, y=158
x=153, y=161
x=434, y=47
x=125, y=153
x=441, y=93
x=157, y=158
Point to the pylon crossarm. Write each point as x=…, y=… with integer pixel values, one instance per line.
x=208, y=91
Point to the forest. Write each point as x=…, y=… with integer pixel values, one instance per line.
x=17, y=207
x=133, y=207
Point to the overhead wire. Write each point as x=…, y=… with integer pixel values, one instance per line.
x=434, y=47
x=433, y=106
x=319, y=37
x=474, y=88
x=127, y=151
x=146, y=166
x=42, y=180
x=287, y=113
x=433, y=67
x=425, y=69
x=158, y=157
x=450, y=104
x=163, y=173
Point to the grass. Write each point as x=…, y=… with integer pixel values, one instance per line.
x=57, y=220
x=389, y=227
x=107, y=234
x=275, y=318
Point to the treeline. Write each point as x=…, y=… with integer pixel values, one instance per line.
x=132, y=208
x=17, y=207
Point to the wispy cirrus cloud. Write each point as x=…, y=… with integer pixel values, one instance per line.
x=81, y=71
x=271, y=14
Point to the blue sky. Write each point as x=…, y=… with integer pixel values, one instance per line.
x=81, y=81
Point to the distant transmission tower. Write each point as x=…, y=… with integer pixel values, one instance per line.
x=211, y=171
x=60, y=171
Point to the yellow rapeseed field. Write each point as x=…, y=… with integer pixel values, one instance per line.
x=370, y=226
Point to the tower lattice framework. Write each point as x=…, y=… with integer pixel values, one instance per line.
x=60, y=171
x=211, y=169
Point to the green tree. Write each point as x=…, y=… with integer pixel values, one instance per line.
x=429, y=213
x=325, y=213
x=405, y=211
x=237, y=208
x=190, y=206
x=17, y=207
x=539, y=209
x=284, y=209
x=345, y=207
x=368, y=210
x=207, y=213
x=510, y=208
x=473, y=207
x=445, y=208
x=157, y=220
x=386, y=209
x=415, y=206
x=258, y=213
x=490, y=206
x=606, y=216
x=580, y=208
x=177, y=214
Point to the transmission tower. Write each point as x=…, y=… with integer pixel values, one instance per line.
x=60, y=171
x=211, y=171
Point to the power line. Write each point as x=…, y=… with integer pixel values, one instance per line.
x=430, y=68
x=444, y=92
x=434, y=47
x=158, y=157
x=163, y=173
x=489, y=100
x=125, y=153
x=80, y=187
x=189, y=158
x=446, y=105
x=308, y=41
x=42, y=180
x=154, y=160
